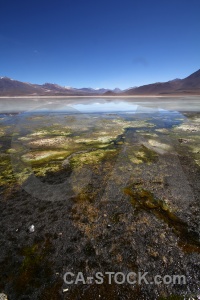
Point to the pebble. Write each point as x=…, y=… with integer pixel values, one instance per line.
x=3, y=296
x=65, y=290
x=108, y=225
x=31, y=228
x=182, y=140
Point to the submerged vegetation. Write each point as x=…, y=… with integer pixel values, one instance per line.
x=144, y=200
x=125, y=182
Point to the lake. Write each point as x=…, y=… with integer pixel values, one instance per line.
x=96, y=185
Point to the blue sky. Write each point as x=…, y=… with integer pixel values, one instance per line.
x=97, y=43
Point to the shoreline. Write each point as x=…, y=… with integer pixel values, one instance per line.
x=98, y=96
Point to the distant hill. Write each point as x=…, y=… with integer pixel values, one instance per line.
x=187, y=86
x=10, y=87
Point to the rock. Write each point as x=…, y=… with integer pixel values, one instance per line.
x=108, y=225
x=65, y=290
x=31, y=229
x=3, y=296
x=182, y=141
x=164, y=259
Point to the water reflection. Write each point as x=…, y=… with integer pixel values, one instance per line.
x=87, y=104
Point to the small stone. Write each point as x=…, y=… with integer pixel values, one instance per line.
x=17, y=230
x=182, y=140
x=162, y=236
x=3, y=296
x=108, y=225
x=164, y=259
x=65, y=290
x=60, y=233
x=31, y=228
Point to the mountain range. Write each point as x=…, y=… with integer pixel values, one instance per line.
x=187, y=86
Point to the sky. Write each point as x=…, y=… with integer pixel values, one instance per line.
x=98, y=43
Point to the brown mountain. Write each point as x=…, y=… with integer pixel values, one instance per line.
x=10, y=87
x=189, y=85
x=192, y=82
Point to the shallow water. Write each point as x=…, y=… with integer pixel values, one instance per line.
x=110, y=184
x=90, y=104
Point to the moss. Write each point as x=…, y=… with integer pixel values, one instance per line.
x=92, y=157
x=144, y=200
x=58, y=142
x=158, y=146
x=3, y=130
x=142, y=154
x=6, y=171
x=11, y=151
x=44, y=156
x=36, y=267
x=43, y=170
x=115, y=218
x=51, y=130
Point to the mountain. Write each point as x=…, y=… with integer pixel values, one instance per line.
x=10, y=87
x=187, y=86
x=92, y=91
x=192, y=81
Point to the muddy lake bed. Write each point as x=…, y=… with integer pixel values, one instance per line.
x=110, y=185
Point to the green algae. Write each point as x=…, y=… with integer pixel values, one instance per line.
x=4, y=130
x=92, y=157
x=157, y=146
x=44, y=156
x=6, y=171
x=58, y=142
x=142, y=154
x=115, y=218
x=144, y=200
x=35, y=265
x=134, y=123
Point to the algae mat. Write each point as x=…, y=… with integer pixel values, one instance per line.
x=109, y=185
